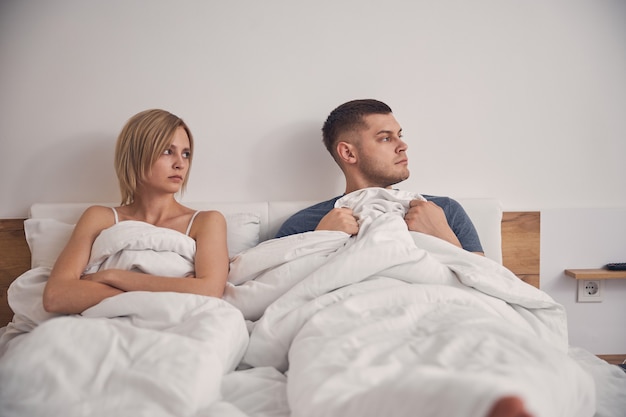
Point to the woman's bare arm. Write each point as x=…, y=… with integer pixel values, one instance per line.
x=65, y=292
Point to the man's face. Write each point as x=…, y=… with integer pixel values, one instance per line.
x=381, y=152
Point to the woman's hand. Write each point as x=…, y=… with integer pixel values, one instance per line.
x=103, y=277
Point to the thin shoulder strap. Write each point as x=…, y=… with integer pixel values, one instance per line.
x=191, y=222
x=117, y=219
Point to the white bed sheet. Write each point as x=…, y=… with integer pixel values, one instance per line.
x=264, y=390
x=356, y=321
x=137, y=353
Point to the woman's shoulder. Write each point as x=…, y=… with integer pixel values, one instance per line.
x=210, y=216
x=97, y=217
x=207, y=220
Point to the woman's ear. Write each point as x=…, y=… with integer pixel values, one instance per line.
x=346, y=152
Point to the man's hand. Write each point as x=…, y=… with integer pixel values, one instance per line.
x=339, y=219
x=427, y=217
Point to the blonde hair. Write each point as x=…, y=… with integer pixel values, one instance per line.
x=142, y=140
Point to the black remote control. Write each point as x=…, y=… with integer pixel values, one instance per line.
x=616, y=266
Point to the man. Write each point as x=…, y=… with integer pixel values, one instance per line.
x=365, y=140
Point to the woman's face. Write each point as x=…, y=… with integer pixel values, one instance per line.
x=170, y=170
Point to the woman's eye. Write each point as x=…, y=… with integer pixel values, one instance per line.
x=167, y=152
x=187, y=155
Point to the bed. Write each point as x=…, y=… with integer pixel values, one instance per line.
x=270, y=347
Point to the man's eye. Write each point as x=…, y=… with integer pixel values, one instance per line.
x=386, y=139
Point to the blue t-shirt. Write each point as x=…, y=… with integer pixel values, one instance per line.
x=306, y=220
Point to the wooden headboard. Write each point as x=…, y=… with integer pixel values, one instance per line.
x=521, y=244
x=14, y=260
x=520, y=252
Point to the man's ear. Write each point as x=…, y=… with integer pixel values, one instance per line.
x=346, y=152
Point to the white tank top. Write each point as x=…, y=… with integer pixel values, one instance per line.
x=117, y=219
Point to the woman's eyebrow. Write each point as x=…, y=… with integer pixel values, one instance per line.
x=187, y=148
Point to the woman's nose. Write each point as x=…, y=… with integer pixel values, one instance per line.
x=179, y=162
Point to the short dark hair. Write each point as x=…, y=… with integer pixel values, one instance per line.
x=349, y=116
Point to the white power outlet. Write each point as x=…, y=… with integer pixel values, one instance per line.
x=590, y=291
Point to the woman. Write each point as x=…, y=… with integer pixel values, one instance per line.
x=152, y=160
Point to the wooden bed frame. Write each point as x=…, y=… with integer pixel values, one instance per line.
x=520, y=252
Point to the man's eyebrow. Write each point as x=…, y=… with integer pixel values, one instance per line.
x=387, y=132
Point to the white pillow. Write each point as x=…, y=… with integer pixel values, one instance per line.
x=242, y=231
x=47, y=237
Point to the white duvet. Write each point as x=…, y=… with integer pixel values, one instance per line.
x=387, y=323
x=135, y=354
x=398, y=323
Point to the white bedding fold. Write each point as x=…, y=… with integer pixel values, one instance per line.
x=130, y=245
x=138, y=353
x=391, y=321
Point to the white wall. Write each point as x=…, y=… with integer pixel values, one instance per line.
x=523, y=101
x=586, y=238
